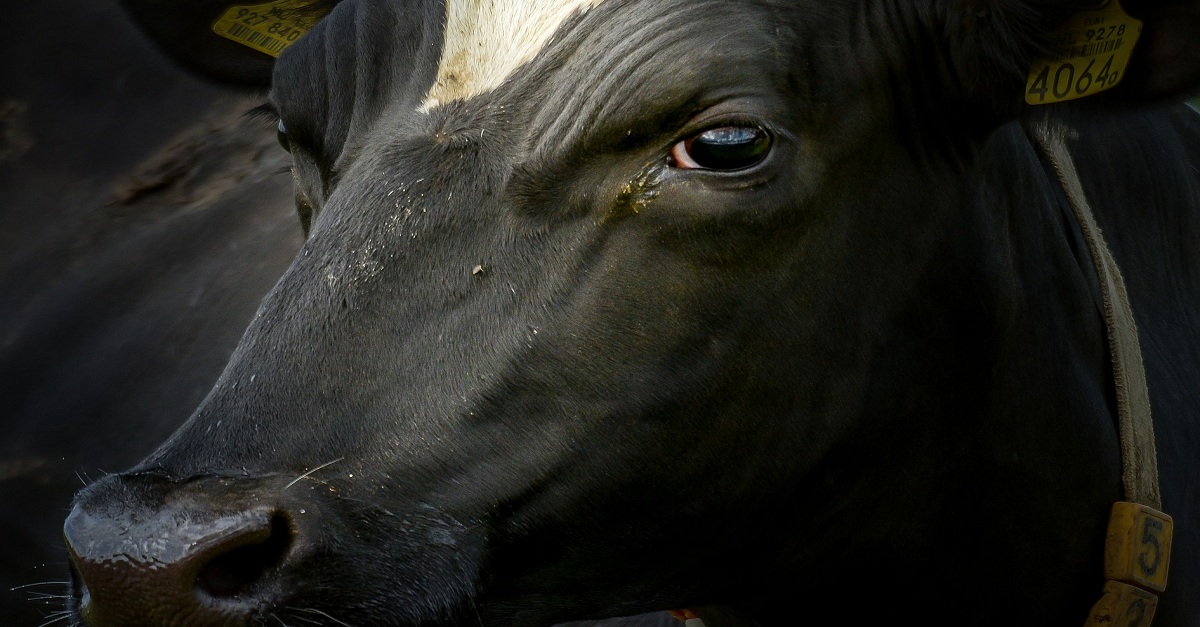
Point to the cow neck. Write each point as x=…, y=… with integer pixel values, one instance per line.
x=1127, y=592
x=1138, y=542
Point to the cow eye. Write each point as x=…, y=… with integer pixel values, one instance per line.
x=282, y=136
x=724, y=148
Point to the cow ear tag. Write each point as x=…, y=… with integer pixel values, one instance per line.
x=1089, y=55
x=271, y=27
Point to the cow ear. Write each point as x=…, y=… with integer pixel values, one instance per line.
x=1166, y=61
x=225, y=40
x=1000, y=56
x=988, y=48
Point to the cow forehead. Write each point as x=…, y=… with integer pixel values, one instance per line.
x=487, y=40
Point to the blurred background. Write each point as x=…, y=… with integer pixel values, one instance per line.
x=142, y=218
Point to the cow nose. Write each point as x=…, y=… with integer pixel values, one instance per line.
x=174, y=566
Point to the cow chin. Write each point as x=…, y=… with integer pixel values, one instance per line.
x=244, y=550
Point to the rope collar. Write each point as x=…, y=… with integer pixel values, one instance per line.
x=1138, y=543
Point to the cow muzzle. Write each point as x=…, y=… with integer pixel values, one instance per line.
x=148, y=550
x=143, y=554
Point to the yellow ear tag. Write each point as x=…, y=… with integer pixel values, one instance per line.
x=269, y=27
x=1090, y=54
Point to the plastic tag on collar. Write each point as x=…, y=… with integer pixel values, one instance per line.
x=1138, y=548
x=270, y=27
x=1122, y=605
x=1090, y=53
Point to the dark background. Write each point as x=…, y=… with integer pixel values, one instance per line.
x=142, y=218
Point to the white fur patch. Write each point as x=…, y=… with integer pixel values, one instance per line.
x=487, y=40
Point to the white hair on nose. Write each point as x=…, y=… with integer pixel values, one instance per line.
x=487, y=40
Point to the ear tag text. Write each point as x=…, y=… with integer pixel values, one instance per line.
x=271, y=27
x=1090, y=54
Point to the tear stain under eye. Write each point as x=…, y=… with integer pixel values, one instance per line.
x=638, y=194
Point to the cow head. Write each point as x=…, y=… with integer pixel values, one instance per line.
x=606, y=306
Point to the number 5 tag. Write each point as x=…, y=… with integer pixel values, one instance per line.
x=1138, y=547
x=1089, y=56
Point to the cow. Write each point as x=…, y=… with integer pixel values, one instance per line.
x=145, y=217
x=767, y=312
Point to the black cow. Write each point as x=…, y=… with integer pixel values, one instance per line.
x=619, y=306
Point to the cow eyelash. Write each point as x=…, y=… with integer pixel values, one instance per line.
x=269, y=113
x=265, y=112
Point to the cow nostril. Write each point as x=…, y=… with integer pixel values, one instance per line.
x=236, y=571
